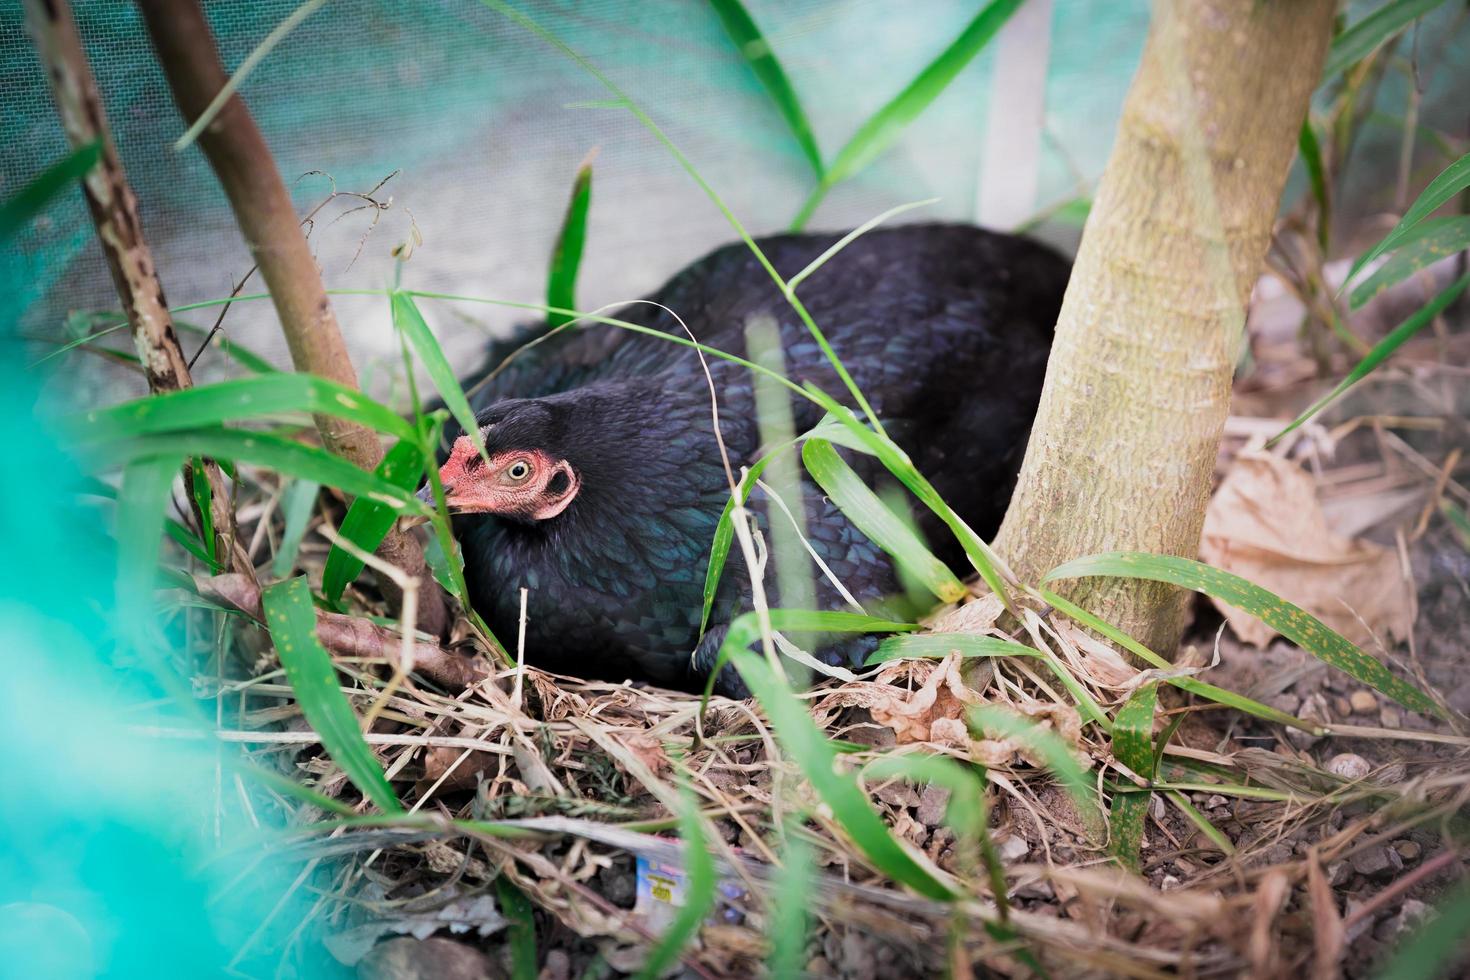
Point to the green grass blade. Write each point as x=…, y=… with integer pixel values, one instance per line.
x=724, y=537
x=566, y=257
x=897, y=462
x=291, y=619
x=258, y=397
x=1433, y=949
x=1292, y=622
x=704, y=185
x=1454, y=179
x=756, y=51
x=1197, y=687
x=1192, y=813
x=883, y=127
x=850, y=237
x=33, y=197
x=1311, y=153
x=872, y=517
x=850, y=806
x=367, y=521
x=1054, y=752
x=937, y=645
x=1458, y=519
x=187, y=540
x=1364, y=37
x=203, y=501
x=141, y=502
x=1381, y=351
x=1133, y=747
x=789, y=917
x=282, y=455
x=1424, y=245
x=522, y=933
x=296, y=507
x=410, y=322
x=699, y=891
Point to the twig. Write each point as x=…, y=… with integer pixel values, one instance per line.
x=242, y=161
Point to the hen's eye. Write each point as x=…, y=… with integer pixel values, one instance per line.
x=518, y=470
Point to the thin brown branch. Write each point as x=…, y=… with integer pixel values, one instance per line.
x=247, y=171
x=114, y=209
x=349, y=636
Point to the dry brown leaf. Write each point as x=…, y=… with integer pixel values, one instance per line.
x=910, y=714
x=1266, y=525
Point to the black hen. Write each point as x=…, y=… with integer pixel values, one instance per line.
x=605, y=481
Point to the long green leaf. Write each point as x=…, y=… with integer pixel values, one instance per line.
x=1425, y=244
x=1454, y=179
x=141, y=502
x=1433, y=949
x=203, y=506
x=1133, y=747
x=1185, y=683
x=883, y=127
x=1364, y=37
x=1292, y=622
x=872, y=517
x=368, y=521
x=33, y=197
x=410, y=322
x=1311, y=153
x=719, y=551
x=1396, y=338
x=937, y=645
x=292, y=622
x=756, y=51
x=850, y=806
x=1054, y=753
x=566, y=257
x=699, y=891
x=257, y=397
x=790, y=908
x=900, y=465
x=296, y=507
x=522, y=932
x=282, y=455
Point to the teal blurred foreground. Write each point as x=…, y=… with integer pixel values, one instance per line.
x=119, y=856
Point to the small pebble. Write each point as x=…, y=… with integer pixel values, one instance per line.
x=1363, y=701
x=1341, y=706
x=1349, y=766
x=1408, y=850
x=1012, y=848
x=1169, y=883
x=1375, y=862
x=1338, y=873
x=1390, y=717
x=1215, y=802
x=1394, y=773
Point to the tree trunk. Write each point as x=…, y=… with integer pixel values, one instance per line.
x=1138, y=385
x=114, y=210
x=243, y=163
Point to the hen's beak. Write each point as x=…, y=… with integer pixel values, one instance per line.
x=426, y=496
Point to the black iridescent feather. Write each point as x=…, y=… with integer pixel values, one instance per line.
x=945, y=328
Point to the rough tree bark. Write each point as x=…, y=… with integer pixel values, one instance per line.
x=1138, y=386
x=114, y=210
x=242, y=161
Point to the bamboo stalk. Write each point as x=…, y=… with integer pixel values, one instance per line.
x=1138, y=384
x=114, y=209
x=247, y=171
